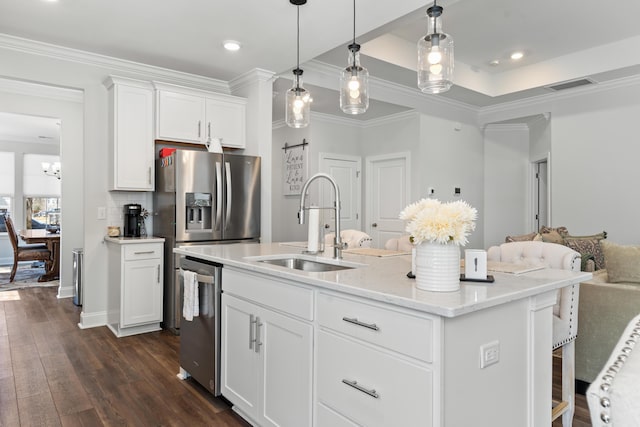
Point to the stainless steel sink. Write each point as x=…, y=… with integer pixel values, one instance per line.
x=306, y=263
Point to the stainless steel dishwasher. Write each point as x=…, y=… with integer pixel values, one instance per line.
x=200, y=338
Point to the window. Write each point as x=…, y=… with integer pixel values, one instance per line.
x=7, y=185
x=44, y=211
x=41, y=192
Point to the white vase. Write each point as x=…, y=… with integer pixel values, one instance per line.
x=437, y=267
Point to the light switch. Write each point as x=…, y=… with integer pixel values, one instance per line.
x=102, y=212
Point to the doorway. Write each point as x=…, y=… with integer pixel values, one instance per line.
x=346, y=171
x=541, y=200
x=387, y=190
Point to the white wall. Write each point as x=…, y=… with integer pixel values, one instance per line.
x=451, y=155
x=506, y=162
x=83, y=145
x=594, y=151
x=445, y=154
x=595, y=158
x=285, y=227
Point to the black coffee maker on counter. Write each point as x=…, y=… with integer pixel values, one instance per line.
x=132, y=220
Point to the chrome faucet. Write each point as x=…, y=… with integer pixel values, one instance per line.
x=338, y=246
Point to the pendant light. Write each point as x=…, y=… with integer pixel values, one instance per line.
x=354, y=80
x=298, y=108
x=435, y=55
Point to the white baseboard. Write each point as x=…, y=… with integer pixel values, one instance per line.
x=65, y=292
x=92, y=320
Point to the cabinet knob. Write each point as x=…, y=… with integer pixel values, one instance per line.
x=374, y=225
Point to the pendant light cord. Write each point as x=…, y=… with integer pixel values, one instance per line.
x=354, y=21
x=298, y=39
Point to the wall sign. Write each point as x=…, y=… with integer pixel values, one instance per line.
x=295, y=166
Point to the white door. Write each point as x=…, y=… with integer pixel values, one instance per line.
x=345, y=170
x=142, y=292
x=387, y=192
x=240, y=362
x=286, y=354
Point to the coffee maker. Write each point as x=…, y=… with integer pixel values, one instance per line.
x=132, y=220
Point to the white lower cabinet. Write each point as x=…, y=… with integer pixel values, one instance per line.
x=135, y=287
x=366, y=370
x=369, y=364
x=267, y=365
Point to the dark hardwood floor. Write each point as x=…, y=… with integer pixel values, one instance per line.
x=54, y=374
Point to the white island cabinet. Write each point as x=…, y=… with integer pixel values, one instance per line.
x=363, y=347
x=135, y=285
x=267, y=347
x=188, y=115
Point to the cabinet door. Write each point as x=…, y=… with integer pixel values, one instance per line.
x=286, y=371
x=141, y=292
x=132, y=167
x=180, y=117
x=226, y=120
x=239, y=377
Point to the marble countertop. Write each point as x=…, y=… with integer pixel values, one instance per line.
x=385, y=278
x=120, y=240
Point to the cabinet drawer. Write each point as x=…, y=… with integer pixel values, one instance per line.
x=142, y=251
x=401, y=332
x=385, y=390
x=287, y=297
x=327, y=417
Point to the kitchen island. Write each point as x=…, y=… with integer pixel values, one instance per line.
x=363, y=346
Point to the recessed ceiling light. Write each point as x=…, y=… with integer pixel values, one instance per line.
x=517, y=55
x=494, y=63
x=231, y=45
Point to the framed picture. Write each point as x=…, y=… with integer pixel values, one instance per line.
x=295, y=166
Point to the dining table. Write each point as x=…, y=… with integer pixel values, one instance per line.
x=52, y=240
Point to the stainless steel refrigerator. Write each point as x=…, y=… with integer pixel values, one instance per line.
x=202, y=198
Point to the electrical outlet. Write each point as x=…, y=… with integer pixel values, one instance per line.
x=489, y=354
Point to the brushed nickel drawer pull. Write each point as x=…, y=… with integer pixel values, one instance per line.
x=252, y=339
x=258, y=343
x=358, y=387
x=355, y=321
x=143, y=252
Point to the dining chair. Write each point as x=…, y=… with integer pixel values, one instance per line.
x=565, y=311
x=32, y=252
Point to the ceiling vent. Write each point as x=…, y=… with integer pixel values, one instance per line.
x=571, y=84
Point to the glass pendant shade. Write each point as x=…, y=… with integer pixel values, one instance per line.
x=298, y=108
x=298, y=101
x=354, y=84
x=435, y=56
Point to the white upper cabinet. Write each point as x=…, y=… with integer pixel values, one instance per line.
x=180, y=117
x=187, y=115
x=131, y=144
x=226, y=120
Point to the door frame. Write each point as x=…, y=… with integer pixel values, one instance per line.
x=348, y=158
x=369, y=160
x=533, y=167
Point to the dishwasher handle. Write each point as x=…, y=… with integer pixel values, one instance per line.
x=204, y=278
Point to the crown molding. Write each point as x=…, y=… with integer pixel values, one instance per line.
x=507, y=127
x=543, y=101
x=392, y=118
x=336, y=120
x=278, y=124
x=149, y=72
x=40, y=90
x=250, y=77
